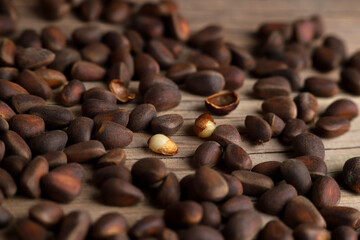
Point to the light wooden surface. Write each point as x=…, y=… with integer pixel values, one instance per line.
x=240, y=19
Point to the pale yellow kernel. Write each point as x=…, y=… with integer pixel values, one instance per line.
x=162, y=144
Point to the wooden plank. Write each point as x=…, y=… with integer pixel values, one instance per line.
x=240, y=19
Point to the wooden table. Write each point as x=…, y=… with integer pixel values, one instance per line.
x=240, y=19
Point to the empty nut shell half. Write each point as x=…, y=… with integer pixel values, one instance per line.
x=119, y=89
x=222, y=103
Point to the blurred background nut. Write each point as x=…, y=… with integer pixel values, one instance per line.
x=167, y=124
x=148, y=171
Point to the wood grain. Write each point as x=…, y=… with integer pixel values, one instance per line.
x=240, y=19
